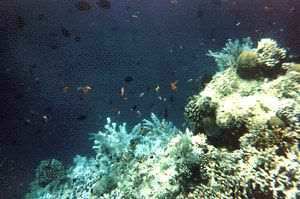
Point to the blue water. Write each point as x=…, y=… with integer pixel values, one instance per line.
x=125, y=55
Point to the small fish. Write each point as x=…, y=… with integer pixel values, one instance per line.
x=156, y=88
x=47, y=110
x=122, y=91
x=38, y=132
x=27, y=122
x=173, y=86
x=41, y=16
x=139, y=114
x=115, y=28
x=45, y=119
x=217, y=2
x=141, y=94
x=53, y=34
x=20, y=23
x=128, y=79
x=133, y=108
x=174, y=2
x=268, y=9
x=65, y=32
x=171, y=99
x=83, y=5
x=138, y=62
x=54, y=47
x=77, y=39
x=85, y=89
x=105, y=4
x=199, y=12
x=66, y=89
x=166, y=114
x=114, y=109
x=81, y=117
x=19, y=96
x=212, y=37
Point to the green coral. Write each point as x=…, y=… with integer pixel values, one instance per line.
x=49, y=171
x=228, y=56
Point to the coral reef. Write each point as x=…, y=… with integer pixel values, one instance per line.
x=269, y=54
x=242, y=141
x=228, y=56
x=258, y=116
x=50, y=171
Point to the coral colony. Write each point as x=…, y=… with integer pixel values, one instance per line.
x=242, y=140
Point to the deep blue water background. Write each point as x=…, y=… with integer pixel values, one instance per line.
x=154, y=41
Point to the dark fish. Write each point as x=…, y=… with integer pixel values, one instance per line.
x=200, y=12
x=204, y=79
x=14, y=141
x=52, y=34
x=127, y=7
x=105, y=4
x=115, y=28
x=212, y=37
x=217, y=2
x=133, y=108
x=33, y=66
x=41, y=17
x=3, y=117
x=138, y=63
x=171, y=99
x=151, y=105
x=19, y=96
x=38, y=132
x=54, y=47
x=77, y=38
x=83, y=5
x=81, y=117
x=65, y=32
x=47, y=110
x=128, y=79
x=20, y=23
x=166, y=114
x=27, y=122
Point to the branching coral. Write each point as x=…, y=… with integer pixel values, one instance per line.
x=228, y=56
x=50, y=171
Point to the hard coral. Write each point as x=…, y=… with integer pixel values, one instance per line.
x=49, y=171
x=269, y=54
x=245, y=144
x=247, y=64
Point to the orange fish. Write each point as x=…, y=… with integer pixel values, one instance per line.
x=66, y=89
x=173, y=86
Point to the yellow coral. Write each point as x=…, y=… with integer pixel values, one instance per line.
x=268, y=53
